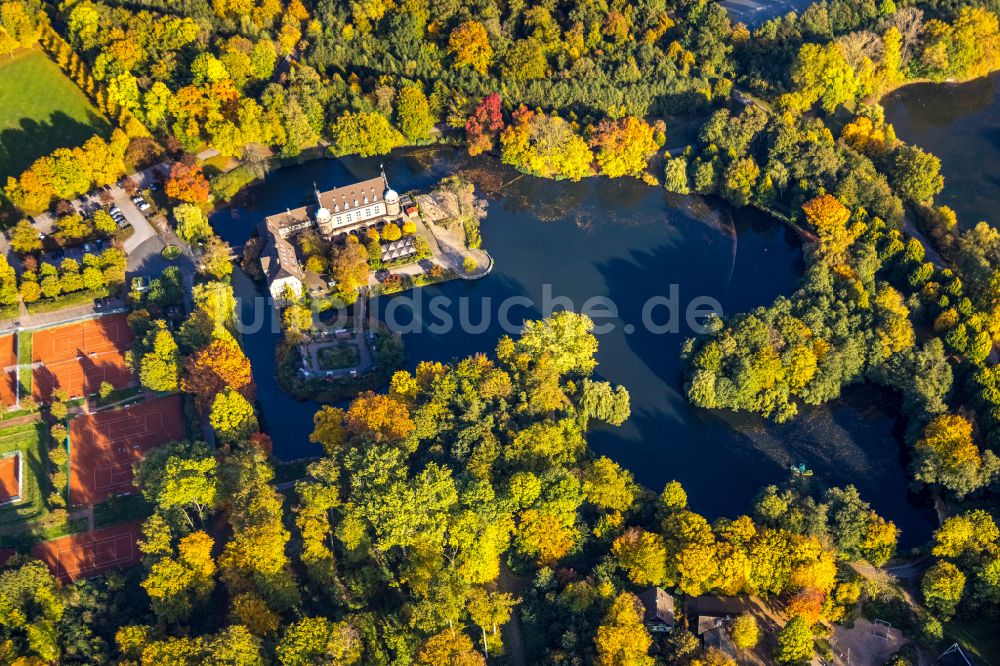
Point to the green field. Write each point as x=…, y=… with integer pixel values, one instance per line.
x=40, y=110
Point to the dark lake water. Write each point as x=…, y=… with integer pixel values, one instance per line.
x=960, y=123
x=629, y=243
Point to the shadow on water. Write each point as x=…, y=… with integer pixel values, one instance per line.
x=629, y=243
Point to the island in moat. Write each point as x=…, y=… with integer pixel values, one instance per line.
x=321, y=262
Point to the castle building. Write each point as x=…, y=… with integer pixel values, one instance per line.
x=337, y=211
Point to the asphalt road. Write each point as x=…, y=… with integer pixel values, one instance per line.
x=143, y=229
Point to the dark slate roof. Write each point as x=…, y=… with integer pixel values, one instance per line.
x=719, y=639
x=278, y=257
x=705, y=612
x=658, y=606
x=353, y=196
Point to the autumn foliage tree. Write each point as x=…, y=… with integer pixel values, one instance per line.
x=187, y=182
x=830, y=219
x=483, y=125
x=623, y=147
x=470, y=45
x=622, y=638
x=947, y=455
x=349, y=268
x=545, y=146
x=449, y=647
x=69, y=172
x=380, y=417
x=211, y=369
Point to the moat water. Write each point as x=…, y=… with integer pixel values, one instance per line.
x=629, y=243
x=960, y=123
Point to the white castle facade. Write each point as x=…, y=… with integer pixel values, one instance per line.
x=337, y=211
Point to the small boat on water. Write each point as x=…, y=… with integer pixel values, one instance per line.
x=800, y=470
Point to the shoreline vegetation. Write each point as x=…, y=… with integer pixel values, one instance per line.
x=390, y=548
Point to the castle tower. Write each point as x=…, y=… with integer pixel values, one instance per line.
x=390, y=197
x=324, y=220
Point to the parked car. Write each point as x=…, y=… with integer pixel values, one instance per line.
x=141, y=203
x=115, y=209
x=87, y=247
x=98, y=303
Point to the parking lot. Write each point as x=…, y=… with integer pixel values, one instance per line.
x=93, y=247
x=88, y=203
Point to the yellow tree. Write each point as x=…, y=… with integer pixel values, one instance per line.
x=449, y=648
x=623, y=146
x=380, y=417
x=691, y=547
x=471, y=47
x=328, y=429
x=546, y=146
x=643, y=555
x=830, y=219
x=544, y=536
x=745, y=632
x=622, y=640
x=947, y=455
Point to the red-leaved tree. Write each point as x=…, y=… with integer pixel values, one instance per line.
x=483, y=125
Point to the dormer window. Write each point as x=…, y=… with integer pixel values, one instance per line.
x=355, y=201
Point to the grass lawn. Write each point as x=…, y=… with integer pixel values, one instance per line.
x=24, y=349
x=40, y=110
x=30, y=440
x=976, y=635
x=344, y=355
x=23, y=541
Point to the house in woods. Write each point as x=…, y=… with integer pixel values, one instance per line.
x=350, y=209
x=709, y=618
x=709, y=611
x=658, y=610
x=720, y=639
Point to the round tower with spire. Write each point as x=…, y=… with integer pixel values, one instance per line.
x=324, y=219
x=390, y=197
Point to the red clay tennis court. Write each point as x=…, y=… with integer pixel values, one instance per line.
x=8, y=359
x=91, y=554
x=103, y=446
x=10, y=477
x=80, y=356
